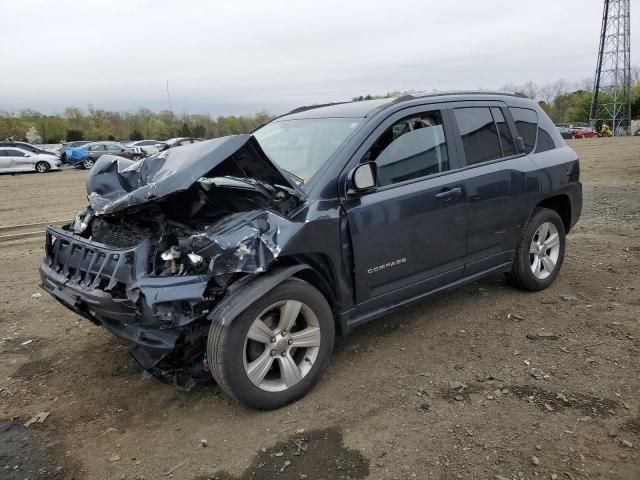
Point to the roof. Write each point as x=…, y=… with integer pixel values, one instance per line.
x=362, y=109
x=338, y=110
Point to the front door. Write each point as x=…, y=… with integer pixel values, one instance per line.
x=19, y=160
x=409, y=235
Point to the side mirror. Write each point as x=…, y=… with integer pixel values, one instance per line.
x=520, y=144
x=122, y=149
x=363, y=177
x=28, y=155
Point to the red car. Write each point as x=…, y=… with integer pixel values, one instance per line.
x=585, y=132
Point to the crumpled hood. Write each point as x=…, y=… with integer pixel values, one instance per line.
x=115, y=183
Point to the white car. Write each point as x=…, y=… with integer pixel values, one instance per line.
x=151, y=147
x=14, y=159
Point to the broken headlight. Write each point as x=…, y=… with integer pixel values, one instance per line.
x=178, y=262
x=82, y=221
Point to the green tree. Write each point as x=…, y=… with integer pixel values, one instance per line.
x=136, y=135
x=156, y=129
x=74, y=135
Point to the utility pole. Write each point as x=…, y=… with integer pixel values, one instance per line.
x=169, y=97
x=611, y=100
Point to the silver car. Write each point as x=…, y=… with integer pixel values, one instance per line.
x=14, y=159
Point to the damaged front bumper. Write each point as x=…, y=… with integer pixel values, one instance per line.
x=111, y=287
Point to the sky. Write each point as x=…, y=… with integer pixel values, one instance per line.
x=242, y=56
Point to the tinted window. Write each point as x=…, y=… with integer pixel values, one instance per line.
x=527, y=126
x=14, y=153
x=479, y=134
x=412, y=148
x=506, y=140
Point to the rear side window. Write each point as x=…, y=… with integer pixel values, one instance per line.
x=506, y=140
x=479, y=134
x=527, y=125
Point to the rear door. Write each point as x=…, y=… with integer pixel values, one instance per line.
x=495, y=179
x=5, y=161
x=409, y=235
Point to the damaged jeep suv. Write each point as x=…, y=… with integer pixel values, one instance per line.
x=242, y=257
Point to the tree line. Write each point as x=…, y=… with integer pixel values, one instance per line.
x=563, y=102
x=97, y=124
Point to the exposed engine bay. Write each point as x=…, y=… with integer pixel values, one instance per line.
x=161, y=241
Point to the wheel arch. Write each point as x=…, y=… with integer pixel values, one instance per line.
x=561, y=204
x=246, y=291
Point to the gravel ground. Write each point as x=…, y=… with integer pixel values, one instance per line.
x=455, y=387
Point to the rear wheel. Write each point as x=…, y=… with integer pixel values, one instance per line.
x=540, y=252
x=277, y=349
x=87, y=164
x=42, y=167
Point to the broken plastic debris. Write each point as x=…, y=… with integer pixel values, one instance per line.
x=38, y=418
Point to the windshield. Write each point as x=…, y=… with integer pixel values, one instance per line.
x=301, y=147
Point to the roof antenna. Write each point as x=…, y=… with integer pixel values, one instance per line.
x=169, y=97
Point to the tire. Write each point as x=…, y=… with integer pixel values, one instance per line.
x=42, y=167
x=231, y=353
x=88, y=163
x=523, y=273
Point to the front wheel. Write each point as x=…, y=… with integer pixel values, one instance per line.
x=42, y=167
x=87, y=164
x=540, y=252
x=274, y=352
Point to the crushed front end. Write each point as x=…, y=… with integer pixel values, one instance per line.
x=150, y=268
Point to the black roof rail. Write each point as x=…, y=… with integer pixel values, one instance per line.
x=311, y=107
x=415, y=96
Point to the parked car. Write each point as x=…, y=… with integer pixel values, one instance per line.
x=25, y=146
x=150, y=147
x=566, y=132
x=243, y=256
x=62, y=150
x=585, y=132
x=179, y=142
x=86, y=155
x=17, y=159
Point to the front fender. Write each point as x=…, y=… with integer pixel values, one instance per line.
x=248, y=290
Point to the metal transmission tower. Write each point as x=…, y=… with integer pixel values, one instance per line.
x=611, y=101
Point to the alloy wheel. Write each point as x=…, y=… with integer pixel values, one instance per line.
x=544, y=250
x=281, y=346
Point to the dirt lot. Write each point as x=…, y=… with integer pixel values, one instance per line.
x=455, y=387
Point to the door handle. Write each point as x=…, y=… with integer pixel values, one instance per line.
x=448, y=194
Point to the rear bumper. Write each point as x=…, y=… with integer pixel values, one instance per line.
x=576, y=203
x=110, y=287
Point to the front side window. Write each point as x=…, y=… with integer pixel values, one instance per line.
x=113, y=147
x=479, y=134
x=96, y=148
x=527, y=125
x=303, y=146
x=411, y=148
x=14, y=153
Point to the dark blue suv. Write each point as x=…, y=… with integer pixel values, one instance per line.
x=241, y=257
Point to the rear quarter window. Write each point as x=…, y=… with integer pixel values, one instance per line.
x=526, y=121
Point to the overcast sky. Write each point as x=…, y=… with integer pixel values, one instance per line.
x=241, y=56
